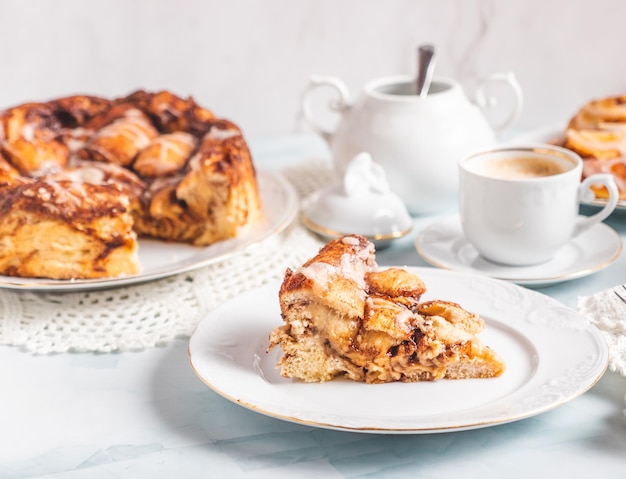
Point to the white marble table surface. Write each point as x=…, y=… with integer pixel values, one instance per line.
x=145, y=414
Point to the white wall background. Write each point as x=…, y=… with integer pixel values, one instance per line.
x=248, y=60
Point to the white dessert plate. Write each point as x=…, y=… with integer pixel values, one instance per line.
x=443, y=244
x=160, y=259
x=552, y=356
x=553, y=135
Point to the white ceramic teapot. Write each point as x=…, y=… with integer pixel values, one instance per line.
x=417, y=140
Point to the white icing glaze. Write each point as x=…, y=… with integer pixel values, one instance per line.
x=87, y=174
x=133, y=125
x=352, y=266
x=178, y=143
x=320, y=273
x=350, y=240
x=194, y=162
x=221, y=134
x=76, y=139
x=28, y=132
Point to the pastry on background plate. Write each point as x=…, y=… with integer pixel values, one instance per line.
x=82, y=177
x=597, y=132
x=345, y=317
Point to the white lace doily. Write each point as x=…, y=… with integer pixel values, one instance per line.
x=147, y=315
x=608, y=313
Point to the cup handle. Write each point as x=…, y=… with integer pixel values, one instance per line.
x=586, y=194
x=484, y=101
x=338, y=105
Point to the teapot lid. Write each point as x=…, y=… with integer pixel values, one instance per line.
x=362, y=204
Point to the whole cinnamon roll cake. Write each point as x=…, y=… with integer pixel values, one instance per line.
x=82, y=177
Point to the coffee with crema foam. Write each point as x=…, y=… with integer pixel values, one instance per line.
x=519, y=205
x=519, y=168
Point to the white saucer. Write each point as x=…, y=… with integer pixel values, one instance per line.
x=442, y=244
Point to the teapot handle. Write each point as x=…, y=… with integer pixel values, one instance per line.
x=484, y=101
x=338, y=105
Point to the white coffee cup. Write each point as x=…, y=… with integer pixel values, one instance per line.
x=519, y=204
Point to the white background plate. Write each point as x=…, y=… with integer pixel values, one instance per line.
x=160, y=259
x=442, y=244
x=552, y=356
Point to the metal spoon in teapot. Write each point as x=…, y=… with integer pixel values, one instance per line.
x=426, y=64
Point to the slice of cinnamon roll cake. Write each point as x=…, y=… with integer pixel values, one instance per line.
x=345, y=317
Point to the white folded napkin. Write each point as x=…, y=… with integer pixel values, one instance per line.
x=607, y=312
